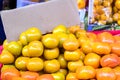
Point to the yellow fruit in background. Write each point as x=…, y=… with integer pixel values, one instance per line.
x=103, y=17
x=117, y=4
x=92, y=20
x=118, y=22
x=115, y=9
x=97, y=2
x=106, y=3
x=99, y=9
x=119, y=11
x=97, y=16
x=116, y=16
x=110, y=20
x=81, y=4
x=111, y=1
x=109, y=10
x=102, y=22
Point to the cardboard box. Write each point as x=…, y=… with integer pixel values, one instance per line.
x=100, y=15
x=44, y=15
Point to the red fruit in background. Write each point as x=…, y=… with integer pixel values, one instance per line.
x=29, y=75
x=105, y=37
x=110, y=60
x=9, y=73
x=45, y=77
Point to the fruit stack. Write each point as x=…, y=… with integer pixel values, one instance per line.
x=102, y=12
x=116, y=10
x=64, y=54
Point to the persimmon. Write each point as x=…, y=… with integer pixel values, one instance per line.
x=117, y=72
x=110, y=60
x=92, y=36
x=101, y=48
x=115, y=48
x=71, y=44
x=30, y=75
x=92, y=59
x=71, y=76
x=117, y=39
x=45, y=77
x=85, y=72
x=105, y=37
x=105, y=73
x=9, y=73
x=18, y=78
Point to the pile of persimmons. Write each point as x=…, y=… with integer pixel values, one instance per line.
x=63, y=54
